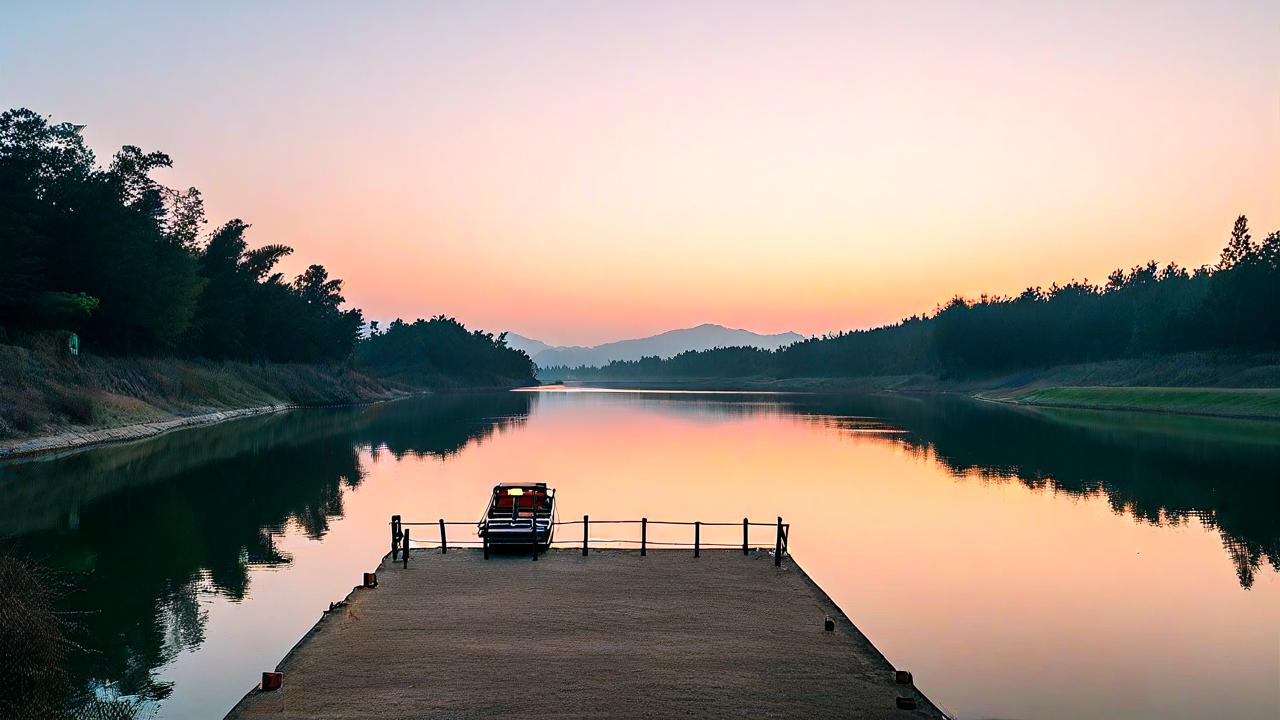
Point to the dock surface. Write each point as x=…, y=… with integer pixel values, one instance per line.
x=612, y=635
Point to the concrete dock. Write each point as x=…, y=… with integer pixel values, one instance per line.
x=612, y=635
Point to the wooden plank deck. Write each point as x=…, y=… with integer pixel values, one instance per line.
x=611, y=635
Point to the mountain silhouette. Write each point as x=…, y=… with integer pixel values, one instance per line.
x=664, y=345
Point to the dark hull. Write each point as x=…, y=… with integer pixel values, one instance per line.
x=501, y=532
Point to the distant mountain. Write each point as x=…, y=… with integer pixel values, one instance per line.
x=664, y=345
x=530, y=346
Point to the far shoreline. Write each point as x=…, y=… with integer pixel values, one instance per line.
x=1227, y=403
x=1116, y=386
x=1228, y=406
x=1243, y=387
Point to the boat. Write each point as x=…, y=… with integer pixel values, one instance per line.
x=519, y=512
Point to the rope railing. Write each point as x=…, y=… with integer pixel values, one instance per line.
x=401, y=541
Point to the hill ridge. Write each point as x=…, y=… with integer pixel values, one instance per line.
x=664, y=344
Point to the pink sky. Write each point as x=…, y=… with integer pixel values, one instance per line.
x=582, y=172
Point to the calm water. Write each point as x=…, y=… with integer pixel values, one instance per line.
x=1021, y=564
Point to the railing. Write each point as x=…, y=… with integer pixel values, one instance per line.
x=401, y=541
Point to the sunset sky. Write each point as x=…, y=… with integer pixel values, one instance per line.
x=583, y=172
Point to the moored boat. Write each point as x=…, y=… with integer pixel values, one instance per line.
x=518, y=513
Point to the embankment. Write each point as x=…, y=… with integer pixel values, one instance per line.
x=53, y=402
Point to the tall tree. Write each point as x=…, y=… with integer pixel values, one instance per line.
x=115, y=254
x=1239, y=245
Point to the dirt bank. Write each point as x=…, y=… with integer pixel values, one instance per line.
x=49, y=401
x=71, y=439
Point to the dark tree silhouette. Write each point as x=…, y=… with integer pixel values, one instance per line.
x=116, y=256
x=121, y=259
x=441, y=351
x=1239, y=247
x=1147, y=310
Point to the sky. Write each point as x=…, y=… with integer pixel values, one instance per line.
x=581, y=172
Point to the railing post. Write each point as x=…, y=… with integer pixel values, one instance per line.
x=777, y=546
x=745, y=525
x=395, y=538
x=697, y=536
x=644, y=535
x=406, y=548
x=586, y=523
x=444, y=544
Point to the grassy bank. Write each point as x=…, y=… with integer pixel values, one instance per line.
x=47, y=393
x=1222, y=402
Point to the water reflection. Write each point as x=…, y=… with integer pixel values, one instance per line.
x=143, y=529
x=146, y=530
x=1161, y=470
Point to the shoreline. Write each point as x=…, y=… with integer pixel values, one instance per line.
x=1051, y=389
x=82, y=438
x=55, y=444
x=1243, y=387
x=50, y=403
x=1018, y=398
x=1232, y=406
x=51, y=445
x=1238, y=411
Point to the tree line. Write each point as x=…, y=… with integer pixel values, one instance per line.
x=441, y=351
x=122, y=260
x=1150, y=309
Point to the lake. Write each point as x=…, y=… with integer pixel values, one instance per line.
x=1021, y=563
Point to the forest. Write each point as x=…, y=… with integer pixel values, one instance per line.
x=1148, y=310
x=122, y=261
